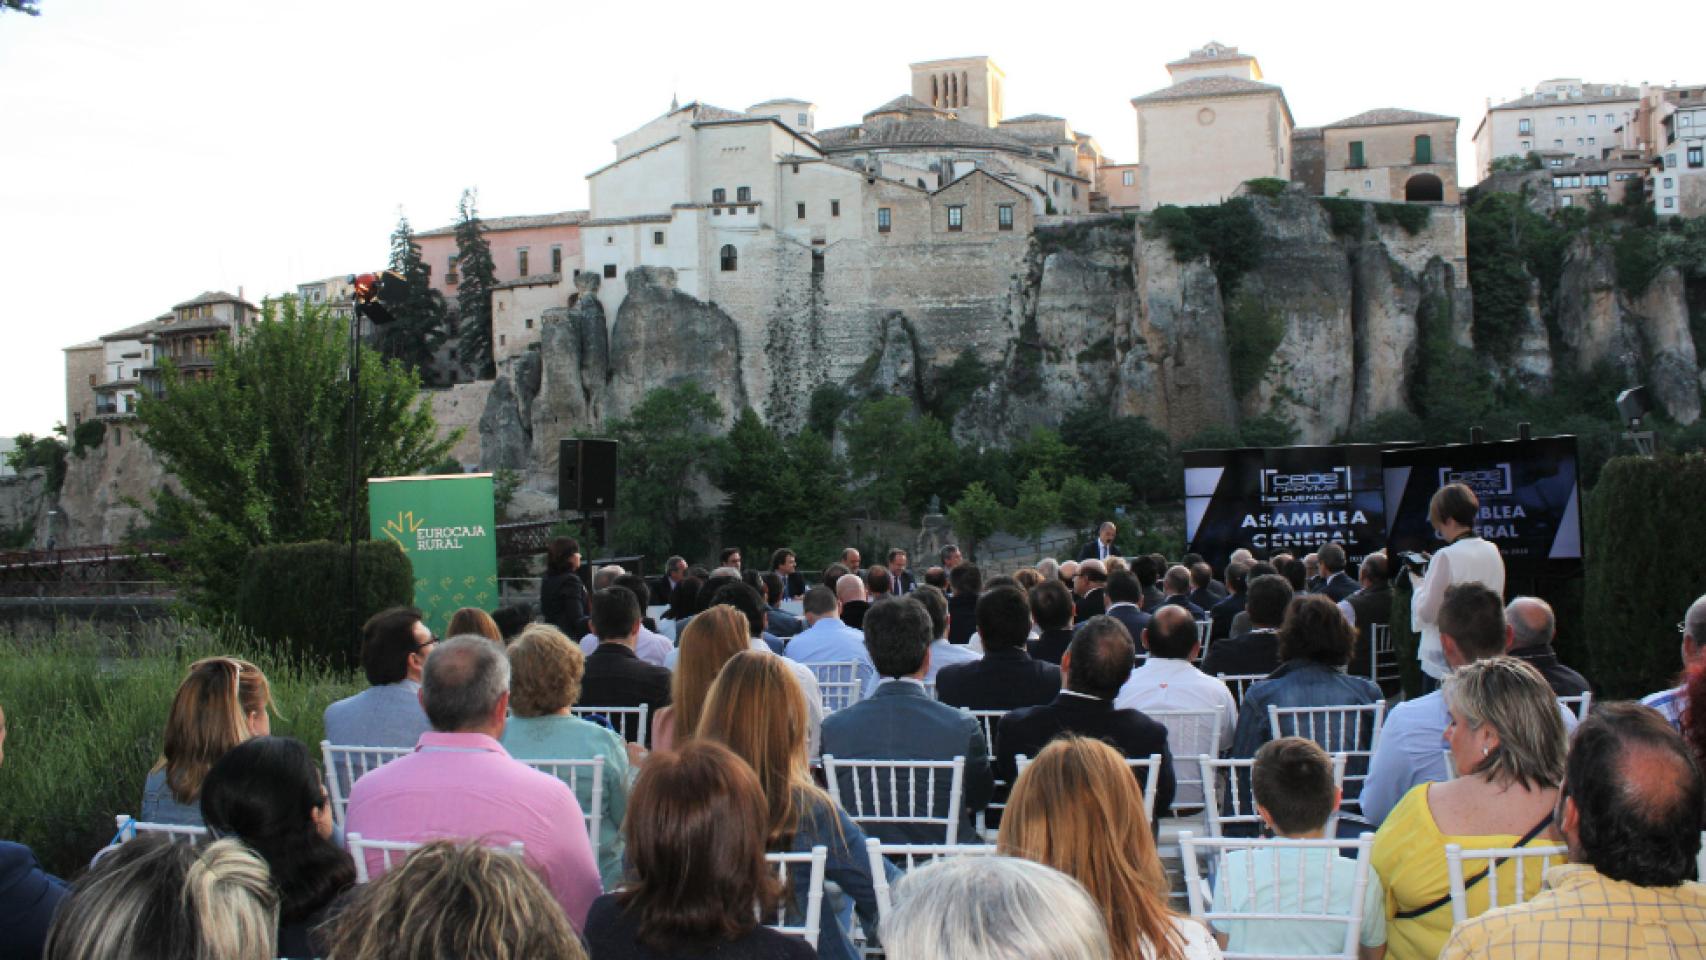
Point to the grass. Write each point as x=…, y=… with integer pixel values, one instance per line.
x=85, y=713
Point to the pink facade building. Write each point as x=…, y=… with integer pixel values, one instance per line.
x=521, y=247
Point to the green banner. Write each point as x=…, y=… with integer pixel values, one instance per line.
x=447, y=526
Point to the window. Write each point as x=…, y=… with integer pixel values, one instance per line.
x=956, y=218
x=1424, y=148
x=1685, y=120
x=716, y=211
x=1590, y=141
x=1598, y=180
x=1560, y=121
x=1696, y=157
x=503, y=339
x=1578, y=141
x=1555, y=162
x=1609, y=120
x=1356, y=154
x=817, y=261
x=1075, y=191
x=1669, y=183
x=1592, y=119
x=799, y=211
x=610, y=271
x=743, y=194
x=1128, y=178
x=450, y=271
x=1525, y=125
x=883, y=220
x=1557, y=144
x=802, y=119
x=1004, y=216
x=529, y=323
x=521, y=262
x=1566, y=201
x=835, y=208
x=730, y=258
x=1057, y=188
x=1572, y=121
x=1528, y=145
x=556, y=258
x=719, y=195
x=609, y=238
x=657, y=238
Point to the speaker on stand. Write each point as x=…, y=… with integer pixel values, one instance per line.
x=586, y=479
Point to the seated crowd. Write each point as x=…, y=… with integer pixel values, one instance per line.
x=1033, y=711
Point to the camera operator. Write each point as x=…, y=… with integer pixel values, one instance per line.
x=1465, y=558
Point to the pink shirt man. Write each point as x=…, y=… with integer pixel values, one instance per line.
x=465, y=785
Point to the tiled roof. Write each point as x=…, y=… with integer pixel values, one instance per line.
x=1386, y=116
x=1034, y=118
x=932, y=132
x=1213, y=52
x=495, y=224
x=705, y=111
x=91, y=345
x=1306, y=133
x=531, y=280
x=907, y=103
x=212, y=296
x=1201, y=87
x=1618, y=94
x=136, y=332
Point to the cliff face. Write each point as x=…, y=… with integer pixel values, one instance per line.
x=93, y=502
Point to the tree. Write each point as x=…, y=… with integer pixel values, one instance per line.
x=474, y=290
x=420, y=317
x=1130, y=449
x=1042, y=451
x=668, y=442
x=780, y=491
x=1085, y=503
x=1037, y=508
x=45, y=452
x=975, y=516
x=261, y=447
x=901, y=459
x=30, y=7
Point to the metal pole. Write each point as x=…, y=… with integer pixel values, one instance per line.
x=354, y=457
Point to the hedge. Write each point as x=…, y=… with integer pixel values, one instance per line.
x=297, y=595
x=1643, y=520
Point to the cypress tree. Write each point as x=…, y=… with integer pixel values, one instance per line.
x=474, y=293
x=420, y=325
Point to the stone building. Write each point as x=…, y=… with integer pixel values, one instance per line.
x=521, y=247
x=336, y=293
x=1584, y=119
x=1677, y=182
x=84, y=365
x=1214, y=127
x=969, y=87
x=1391, y=154
x=519, y=309
x=124, y=355
x=1120, y=187
x=189, y=335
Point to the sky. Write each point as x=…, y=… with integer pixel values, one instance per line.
x=152, y=151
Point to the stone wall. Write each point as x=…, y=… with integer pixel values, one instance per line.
x=461, y=406
x=107, y=490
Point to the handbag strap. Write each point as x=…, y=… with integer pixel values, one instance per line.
x=1428, y=908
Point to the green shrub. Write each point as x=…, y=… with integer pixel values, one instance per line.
x=88, y=436
x=1637, y=591
x=1228, y=234
x=1346, y=216
x=1270, y=187
x=1413, y=217
x=1639, y=259
x=297, y=595
x=1253, y=333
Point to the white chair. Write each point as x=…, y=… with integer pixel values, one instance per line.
x=1450, y=764
x=1149, y=768
x=630, y=723
x=1230, y=779
x=1579, y=704
x=1272, y=877
x=1239, y=683
x=839, y=684
x=875, y=792
x=129, y=828
x=989, y=720
x=571, y=772
x=1190, y=733
x=1509, y=860
x=807, y=930
x=1204, y=628
x=392, y=851
x=347, y=763
x=909, y=855
x=1382, y=656
x=1352, y=729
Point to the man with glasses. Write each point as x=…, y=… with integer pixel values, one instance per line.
x=1671, y=703
x=394, y=648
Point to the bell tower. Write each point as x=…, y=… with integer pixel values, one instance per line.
x=971, y=87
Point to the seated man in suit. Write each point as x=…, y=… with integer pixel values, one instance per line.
x=1531, y=626
x=1177, y=583
x=826, y=639
x=1051, y=608
x=1102, y=547
x=1095, y=667
x=854, y=595
x=1368, y=608
x=782, y=623
x=1337, y=584
x=1006, y=677
x=1124, y=596
x=1222, y=614
x=1203, y=593
x=942, y=653
x=1255, y=652
x=785, y=565
x=1089, y=586
x=965, y=583
x=901, y=580
x=901, y=722
x=394, y=648
x=1148, y=573
x=615, y=675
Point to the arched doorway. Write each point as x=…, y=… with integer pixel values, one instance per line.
x=1423, y=188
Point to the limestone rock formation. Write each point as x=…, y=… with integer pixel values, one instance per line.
x=663, y=337
x=107, y=489
x=1177, y=373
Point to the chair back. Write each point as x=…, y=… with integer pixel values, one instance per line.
x=1239, y=683
x=1350, y=729
x=990, y=721
x=129, y=828
x=388, y=853
x=1146, y=769
x=1450, y=764
x=909, y=855
x=1190, y=733
x=1579, y=704
x=838, y=683
x=345, y=764
x=1382, y=656
x=1278, y=883
x=1229, y=807
x=1526, y=866
x=586, y=779
x=630, y=723
x=814, y=864
x=879, y=792
x=1205, y=631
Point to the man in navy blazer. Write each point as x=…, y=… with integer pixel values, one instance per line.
x=901, y=581
x=1007, y=676
x=1095, y=667
x=1100, y=548
x=901, y=722
x=1125, y=596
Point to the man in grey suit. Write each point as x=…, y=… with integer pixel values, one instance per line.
x=394, y=648
x=900, y=721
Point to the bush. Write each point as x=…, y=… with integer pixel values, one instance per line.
x=1270, y=187
x=1253, y=333
x=1413, y=217
x=86, y=716
x=1346, y=216
x=88, y=436
x=1636, y=591
x=1228, y=234
x=297, y=595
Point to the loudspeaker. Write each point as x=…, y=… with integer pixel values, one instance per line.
x=586, y=475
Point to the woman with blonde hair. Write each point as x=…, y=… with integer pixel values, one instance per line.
x=1507, y=742
x=221, y=703
x=709, y=641
x=1077, y=808
x=473, y=620
x=756, y=709
x=545, y=683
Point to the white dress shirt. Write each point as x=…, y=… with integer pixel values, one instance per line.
x=1469, y=560
x=945, y=654
x=1163, y=683
x=654, y=648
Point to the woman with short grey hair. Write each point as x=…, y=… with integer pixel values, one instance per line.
x=993, y=908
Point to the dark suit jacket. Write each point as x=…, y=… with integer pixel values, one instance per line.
x=1339, y=586
x=962, y=617
x=563, y=603
x=1051, y=646
x=1090, y=552
x=28, y=897
x=1134, y=735
x=782, y=623
x=1372, y=608
x=1314, y=584
x=1152, y=598
x=1002, y=680
x=903, y=584
x=1220, y=616
x=1196, y=612
x=853, y=613
x=1091, y=604
x=901, y=722
x=615, y=677
x=1204, y=598
x=1256, y=652
x=794, y=586
x=1563, y=681
x=1135, y=620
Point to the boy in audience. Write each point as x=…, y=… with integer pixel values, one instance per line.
x=1293, y=785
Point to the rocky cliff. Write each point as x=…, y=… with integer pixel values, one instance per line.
x=105, y=490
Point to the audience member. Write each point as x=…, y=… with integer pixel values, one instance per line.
x=1313, y=580
x=1295, y=572
x=1148, y=576
x=832, y=575
x=1507, y=741
x=786, y=566
x=826, y=639
x=902, y=722
x=483, y=903
x=1077, y=809
x=1531, y=626
x=1102, y=547
x=1125, y=597
x=1094, y=669
x=1051, y=610
x=1069, y=572
x=476, y=621
x=1177, y=583
x=511, y=619
x=697, y=840
x=222, y=702
x=1466, y=558
x=663, y=588
x=1168, y=680
x=1631, y=816
x=394, y=648
x=1673, y=702
x=1222, y=614
x=562, y=593
x=854, y=593
x=1027, y=577
x=937, y=577
x=267, y=792
x=1006, y=676
x=1694, y=713
x=1048, y=568
x=1369, y=607
x=1255, y=652
x=460, y=782
x=1314, y=646
x=747, y=605
x=649, y=645
x=1203, y=592
x=901, y=578
x=942, y=653
x=1216, y=589
x=993, y=908
x=756, y=710
x=684, y=601
x=965, y=583
x=152, y=899
x=1292, y=780
x=707, y=643
x=950, y=557
x=546, y=669
x=29, y=895
x=1089, y=589
x=615, y=675
x=1336, y=584
x=729, y=557
x=782, y=624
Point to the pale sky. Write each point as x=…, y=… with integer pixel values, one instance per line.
x=154, y=150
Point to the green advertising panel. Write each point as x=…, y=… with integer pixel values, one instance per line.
x=447, y=526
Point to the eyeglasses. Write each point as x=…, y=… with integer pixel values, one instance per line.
x=1682, y=626
x=429, y=642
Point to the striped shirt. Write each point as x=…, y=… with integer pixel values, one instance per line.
x=1669, y=703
